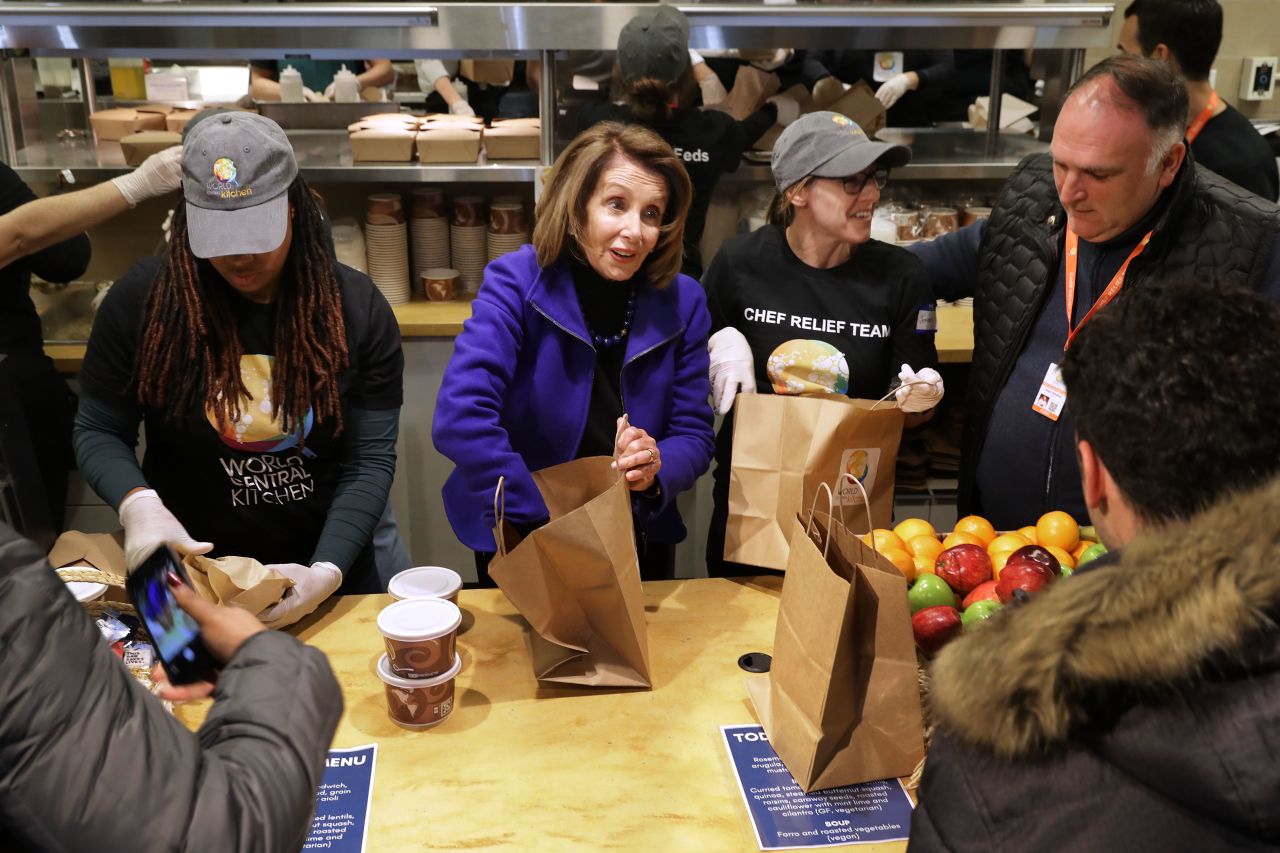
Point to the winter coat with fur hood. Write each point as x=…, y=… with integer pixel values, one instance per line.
x=1135, y=706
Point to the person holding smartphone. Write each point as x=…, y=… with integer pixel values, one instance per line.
x=245, y=781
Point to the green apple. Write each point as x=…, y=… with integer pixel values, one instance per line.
x=930, y=591
x=1093, y=552
x=979, y=612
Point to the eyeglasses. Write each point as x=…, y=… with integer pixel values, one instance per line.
x=855, y=184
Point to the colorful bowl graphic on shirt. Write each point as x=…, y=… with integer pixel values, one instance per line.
x=258, y=430
x=800, y=367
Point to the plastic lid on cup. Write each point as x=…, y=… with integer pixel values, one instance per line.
x=419, y=619
x=427, y=581
x=389, y=677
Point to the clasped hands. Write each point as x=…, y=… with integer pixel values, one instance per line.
x=636, y=456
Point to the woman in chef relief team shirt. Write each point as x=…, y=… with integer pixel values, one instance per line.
x=268, y=377
x=810, y=303
x=589, y=342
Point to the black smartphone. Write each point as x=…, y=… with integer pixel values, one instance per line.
x=173, y=631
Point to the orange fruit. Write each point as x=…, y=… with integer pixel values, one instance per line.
x=1058, y=528
x=1007, y=543
x=1081, y=547
x=1063, y=557
x=902, y=560
x=1030, y=532
x=912, y=527
x=884, y=539
x=978, y=526
x=959, y=537
x=924, y=564
x=924, y=546
x=998, y=560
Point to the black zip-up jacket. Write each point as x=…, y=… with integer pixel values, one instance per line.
x=1210, y=230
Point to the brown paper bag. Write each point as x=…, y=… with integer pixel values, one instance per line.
x=860, y=104
x=773, y=480
x=496, y=72
x=238, y=581
x=751, y=87
x=841, y=703
x=577, y=579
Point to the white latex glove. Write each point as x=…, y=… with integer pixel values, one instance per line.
x=892, y=90
x=787, y=106
x=461, y=108
x=311, y=585
x=695, y=58
x=780, y=58
x=159, y=174
x=148, y=524
x=732, y=367
x=918, y=397
x=712, y=90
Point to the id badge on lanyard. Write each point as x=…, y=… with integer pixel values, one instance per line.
x=1051, y=397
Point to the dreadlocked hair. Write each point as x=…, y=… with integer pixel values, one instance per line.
x=189, y=359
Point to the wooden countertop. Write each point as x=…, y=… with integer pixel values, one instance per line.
x=444, y=319
x=518, y=766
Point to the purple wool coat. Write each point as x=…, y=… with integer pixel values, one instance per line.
x=516, y=392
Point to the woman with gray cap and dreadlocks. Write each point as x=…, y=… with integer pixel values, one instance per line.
x=268, y=377
x=810, y=304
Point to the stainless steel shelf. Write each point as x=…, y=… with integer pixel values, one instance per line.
x=323, y=155
x=405, y=30
x=937, y=154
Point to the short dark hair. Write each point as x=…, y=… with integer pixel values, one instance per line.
x=1148, y=86
x=1192, y=30
x=1174, y=386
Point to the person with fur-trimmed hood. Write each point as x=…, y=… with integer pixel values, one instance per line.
x=1136, y=705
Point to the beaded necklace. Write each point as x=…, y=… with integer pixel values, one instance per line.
x=610, y=341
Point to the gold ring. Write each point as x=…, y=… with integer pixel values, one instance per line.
x=653, y=456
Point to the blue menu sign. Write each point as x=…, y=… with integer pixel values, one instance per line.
x=785, y=817
x=342, y=801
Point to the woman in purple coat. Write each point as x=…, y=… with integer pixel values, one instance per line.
x=591, y=322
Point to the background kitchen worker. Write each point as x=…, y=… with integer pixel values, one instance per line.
x=80, y=738
x=268, y=377
x=866, y=306
x=1136, y=699
x=1119, y=186
x=1186, y=34
x=317, y=76
x=591, y=322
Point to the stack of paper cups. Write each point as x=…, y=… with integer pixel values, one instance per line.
x=508, y=226
x=429, y=230
x=467, y=241
x=387, y=246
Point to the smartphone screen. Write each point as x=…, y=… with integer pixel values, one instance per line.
x=175, y=634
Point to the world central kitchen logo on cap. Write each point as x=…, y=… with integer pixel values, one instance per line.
x=224, y=183
x=848, y=124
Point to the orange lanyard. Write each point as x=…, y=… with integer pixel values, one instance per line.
x=1201, y=120
x=1117, y=281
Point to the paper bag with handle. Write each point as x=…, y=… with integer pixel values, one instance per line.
x=785, y=447
x=841, y=704
x=577, y=579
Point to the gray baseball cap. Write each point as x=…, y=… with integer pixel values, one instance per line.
x=655, y=43
x=829, y=145
x=236, y=172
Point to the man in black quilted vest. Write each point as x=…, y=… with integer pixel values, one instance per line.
x=1117, y=203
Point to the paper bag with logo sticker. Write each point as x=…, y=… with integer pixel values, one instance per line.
x=237, y=581
x=841, y=703
x=576, y=579
x=785, y=447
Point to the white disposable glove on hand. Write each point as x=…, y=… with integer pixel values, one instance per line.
x=712, y=90
x=732, y=367
x=780, y=57
x=788, y=108
x=148, y=525
x=159, y=174
x=924, y=394
x=311, y=585
x=892, y=90
x=461, y=108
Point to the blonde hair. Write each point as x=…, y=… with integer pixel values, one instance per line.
x=562, y=209
x=780, y=210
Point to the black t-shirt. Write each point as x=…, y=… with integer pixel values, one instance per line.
x=1230, y=145
x=248, y=487
x=710, y=143
x=874, y=312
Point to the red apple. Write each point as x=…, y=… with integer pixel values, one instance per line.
x=963, y=567
x=1035, y=554
x=981, y=592
x=934, y=626
x=1027, y=575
